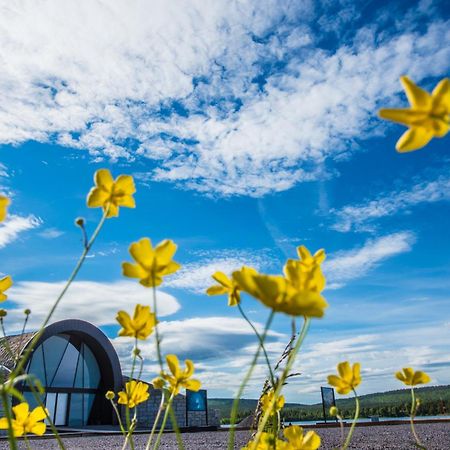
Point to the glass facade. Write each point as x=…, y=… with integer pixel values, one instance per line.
x=70, y=375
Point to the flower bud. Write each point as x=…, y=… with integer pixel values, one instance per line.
x=334, y=411
x=79, y=221
x=137, y=352
x=27, y=312
x=158, y=383
x=110, y=395
x=3, y=312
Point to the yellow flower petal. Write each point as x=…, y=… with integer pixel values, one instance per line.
x=165, y=251
x=406, y=117
x=216, y=290
x=97, y=197
x=3, y=423
x=222, y=279
x=142, y=252
x=6, y=283
x=417, y=97
x=413, y=139
x=38, y=428
x=133, y=270
x=441, y=95
x=193, y=385
x=125, y=184
x=21, y=410
x=174, y=365
x=104, y=179
x=37, y=414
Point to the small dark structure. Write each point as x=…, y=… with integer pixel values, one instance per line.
x=76, y=364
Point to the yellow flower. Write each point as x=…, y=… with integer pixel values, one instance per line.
x=152, y=263
x=411, y=378
x=110, y=194
x=180, y=378
x=4, y=202
x=135, y=393
x=267, y=399
x=225, y=286
x=5, y=284
x=298, y=441
x=267, y=442
x=26, y=422
x=428, y=117
x=140, y=326
x=279, y=294
x=158, y=383
x=348, y=379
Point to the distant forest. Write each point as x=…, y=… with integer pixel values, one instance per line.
x=435, y=400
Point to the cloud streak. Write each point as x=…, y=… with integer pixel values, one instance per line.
x=361, y=217
x=14, y=225
x=348, y=265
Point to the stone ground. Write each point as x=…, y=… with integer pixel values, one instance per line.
x=435, y=436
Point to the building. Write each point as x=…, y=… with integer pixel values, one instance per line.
x=76, y=364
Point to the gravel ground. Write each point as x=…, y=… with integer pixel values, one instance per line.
x=435, y=437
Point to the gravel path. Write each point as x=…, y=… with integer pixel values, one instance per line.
x=435, y=437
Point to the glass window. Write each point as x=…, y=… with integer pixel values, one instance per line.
x=91, y=369
x=37, y=367
x=53, y=352
x=66, y=370
x=61, y=409
x=50, y=403
x=88, y=401
x=76, y=410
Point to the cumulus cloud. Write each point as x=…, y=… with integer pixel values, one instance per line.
x=88, y=300
x=361, y=217
x=351, y=264
x=16, y=225
x=195, y=88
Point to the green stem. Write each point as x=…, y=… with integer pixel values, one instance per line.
x=155, y=423
x=173, y=419
x=163, y=425
x=11, y=437
x=122, y=429
x=412, y=416
x=39, y=401
x=247, y=377
x=27, y=442
x=261, y=343
x=352, y=428
x=37, y=336
x=129, y=436
x=155, y=310
x=287, y=369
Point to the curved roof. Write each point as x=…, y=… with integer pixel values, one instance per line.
x=96, y=340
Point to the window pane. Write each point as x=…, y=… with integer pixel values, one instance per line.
x=37, y=365
x=88, y=401
x=66, y=371
x=91, y=370
x=61, y=409
x=76, y=410
x=53, y=351
x=50, y=403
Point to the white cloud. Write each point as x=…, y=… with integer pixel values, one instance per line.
x=88, y=300
x=51, y=233
x=196, y=277
x=98, y=76
x=360, y=217
x=14, y=226
x=351, y=264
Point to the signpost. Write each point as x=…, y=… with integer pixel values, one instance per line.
x=328, y=401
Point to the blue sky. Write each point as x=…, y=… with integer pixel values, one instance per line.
x=250, y=128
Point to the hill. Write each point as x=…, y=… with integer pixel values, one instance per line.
x=434, y=400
